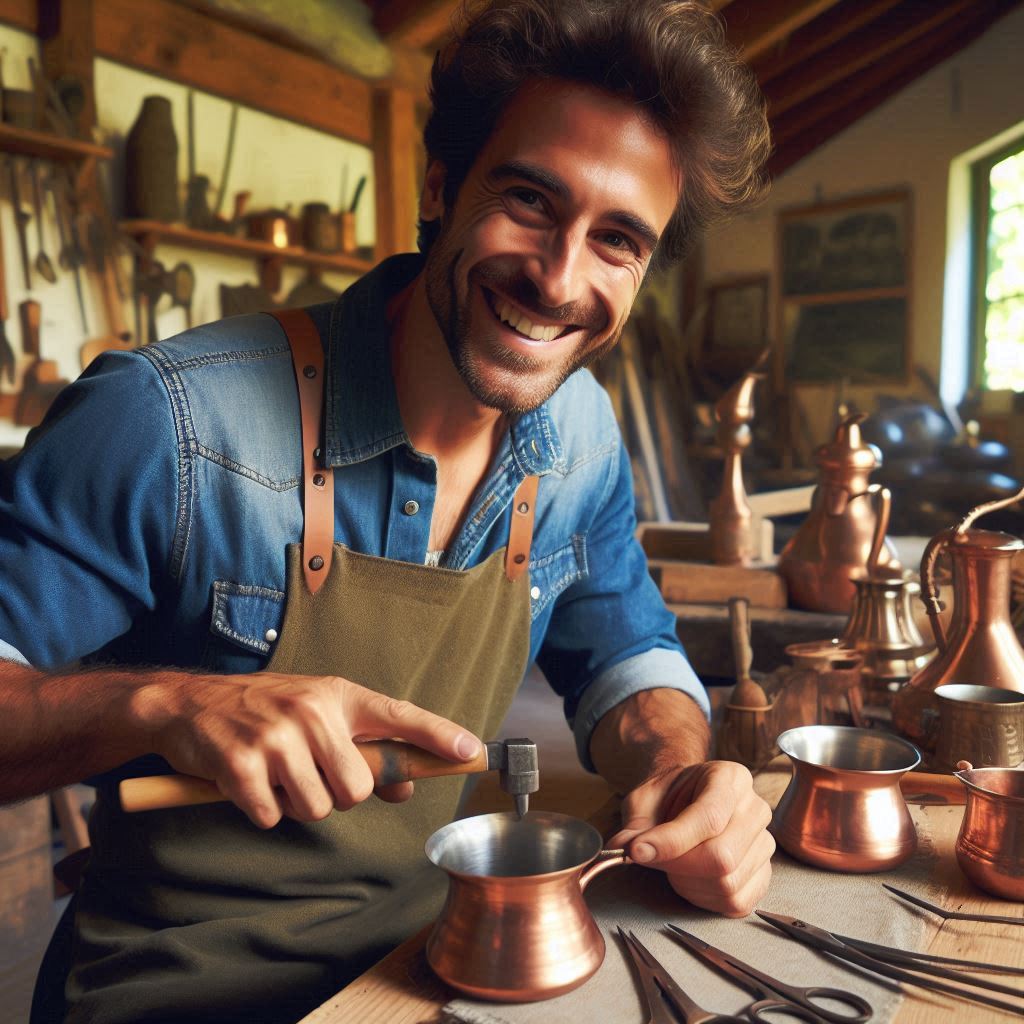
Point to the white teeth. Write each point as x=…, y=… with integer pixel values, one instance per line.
x=519, y=321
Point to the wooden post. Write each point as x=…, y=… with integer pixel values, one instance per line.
x=68, y=49
x=395, y=139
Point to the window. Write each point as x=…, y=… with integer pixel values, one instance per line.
x=999, y=270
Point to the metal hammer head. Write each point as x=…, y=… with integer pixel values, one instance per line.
x=518, y=769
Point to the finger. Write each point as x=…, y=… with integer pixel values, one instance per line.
x=738, y=903
x=396, y=792
x=639, y=813
x=245, y=781
x=307, y=797
x=724, y=854
x=378, y=716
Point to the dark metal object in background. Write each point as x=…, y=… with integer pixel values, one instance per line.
x=952, y=915
x=21, y=219
x=7, y=359
x=43, y=264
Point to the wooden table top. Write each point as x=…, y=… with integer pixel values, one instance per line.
x=401, y=988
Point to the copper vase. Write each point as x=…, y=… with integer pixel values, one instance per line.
x=515, y=926
x=838, y=537
x=980, y=647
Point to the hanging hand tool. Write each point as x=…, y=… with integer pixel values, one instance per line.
x=42, y=381
x=7, y=360
x=118, y=337
x=43, y=264
x=72, y=254
x=390, y=761
x=21, y=219
x=180, y=284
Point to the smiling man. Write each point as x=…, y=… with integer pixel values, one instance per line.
x=242, y=551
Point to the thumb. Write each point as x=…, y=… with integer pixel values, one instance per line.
x=639, y=813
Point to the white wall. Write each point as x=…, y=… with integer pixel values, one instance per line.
x=281, y=163
x=909, y=140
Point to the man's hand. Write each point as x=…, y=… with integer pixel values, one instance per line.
x=286, y=745
x=704, y=826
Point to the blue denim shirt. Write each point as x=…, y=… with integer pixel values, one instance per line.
x=146, y=521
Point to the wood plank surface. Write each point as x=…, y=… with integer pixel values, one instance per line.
x=703, y=583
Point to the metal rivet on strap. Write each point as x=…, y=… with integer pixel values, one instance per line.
x=523, y=507
x=316, y=453
x=535, y=592
x=318, y=480
x=410, y=508
x=519, y=559
x=309, y=371
x=316, y=563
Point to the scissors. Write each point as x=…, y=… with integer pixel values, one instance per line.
x=663, y=995
x=899, y=964
x=775, y=997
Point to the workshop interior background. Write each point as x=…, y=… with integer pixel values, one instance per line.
x=888, y=115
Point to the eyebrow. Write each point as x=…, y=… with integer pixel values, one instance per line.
x=553, y=184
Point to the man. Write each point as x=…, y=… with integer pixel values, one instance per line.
x=171, y=513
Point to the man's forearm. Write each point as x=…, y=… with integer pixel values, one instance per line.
x=648, y=733
x=56, y=729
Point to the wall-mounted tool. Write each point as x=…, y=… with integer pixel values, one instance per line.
x=42, y=380
x=21, y=219
x=43, y=264
x=7, y=359
x=390, y=762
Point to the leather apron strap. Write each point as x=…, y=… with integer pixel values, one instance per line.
x=317, y=480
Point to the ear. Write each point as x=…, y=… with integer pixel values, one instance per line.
x=432, y=196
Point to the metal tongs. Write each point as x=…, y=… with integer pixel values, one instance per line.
x=952, y=915
x=903, y=965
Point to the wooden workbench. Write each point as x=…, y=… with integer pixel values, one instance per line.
x=401, y=989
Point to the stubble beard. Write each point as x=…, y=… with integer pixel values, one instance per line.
x=511, y=382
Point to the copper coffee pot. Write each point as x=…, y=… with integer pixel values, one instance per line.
x=981, y=646
x=837, y=537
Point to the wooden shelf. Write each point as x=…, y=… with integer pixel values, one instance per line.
x=151, y=233
x=27, y=142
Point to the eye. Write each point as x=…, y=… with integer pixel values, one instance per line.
x=619, y=242
x=527, y=197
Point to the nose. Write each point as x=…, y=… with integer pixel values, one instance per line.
x=558, y=268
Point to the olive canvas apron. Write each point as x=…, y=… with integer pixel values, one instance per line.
x=194, y=913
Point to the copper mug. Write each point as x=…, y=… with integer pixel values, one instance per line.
x=843, y=809
x=980, y=724
x=990, y=846
x=515, y=926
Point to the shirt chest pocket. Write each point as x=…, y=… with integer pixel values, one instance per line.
x=553, y=573
x=245, y=623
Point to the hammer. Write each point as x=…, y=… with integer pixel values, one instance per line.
x=390, y=761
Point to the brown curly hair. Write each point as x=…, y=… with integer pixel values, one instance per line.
x=668, y=56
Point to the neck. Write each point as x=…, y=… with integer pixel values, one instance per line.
x=440, y=415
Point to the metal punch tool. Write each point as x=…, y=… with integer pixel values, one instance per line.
x=775, y=997
x=932, y=973
x=666, y=1002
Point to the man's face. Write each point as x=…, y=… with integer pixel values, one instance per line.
x=537, y=264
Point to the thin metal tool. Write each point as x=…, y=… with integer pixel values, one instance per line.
x=21, y=219
x=43, y=264
x=952, y=915
x=774, y=996
x=666, y=1001
x=8, y=362
x=897, y=964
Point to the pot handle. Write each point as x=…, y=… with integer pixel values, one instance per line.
x=929, y=591
x=602, y=862
x=883, y=505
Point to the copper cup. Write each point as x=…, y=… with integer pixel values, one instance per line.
x=515, y=926
x=843, y=809
x=980, y=724
x=990, y=846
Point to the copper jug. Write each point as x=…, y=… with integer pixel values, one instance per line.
x=981, y=647
x=515, y=926
x=836, y=538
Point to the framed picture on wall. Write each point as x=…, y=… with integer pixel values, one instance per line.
x=844, y=290
x=737, y=316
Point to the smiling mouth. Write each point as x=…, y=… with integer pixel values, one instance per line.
x=518, y=321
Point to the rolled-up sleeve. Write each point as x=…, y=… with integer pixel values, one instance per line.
x=610, y=634
x=88, y=515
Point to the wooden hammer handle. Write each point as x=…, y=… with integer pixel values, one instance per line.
x=390, y=761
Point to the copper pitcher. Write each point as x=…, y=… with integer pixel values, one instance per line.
x=515, y=926
x=990, y=846
x=840, y=531
x=981, y=647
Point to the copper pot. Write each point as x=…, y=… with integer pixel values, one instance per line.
x=980, y=724
x=843, y=808
x=990, y=847
x=515, y=926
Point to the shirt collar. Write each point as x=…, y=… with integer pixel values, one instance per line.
x=362, y=418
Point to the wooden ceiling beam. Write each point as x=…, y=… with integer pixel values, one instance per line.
x=824, y=116
x=186, y=46
x=886, y=36
x=416, y=24
x=825, y=31
x=755, y=26
x=21, y=14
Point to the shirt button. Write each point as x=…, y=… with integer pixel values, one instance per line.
x=410, y=508
x=535, y=592
x=270, y=636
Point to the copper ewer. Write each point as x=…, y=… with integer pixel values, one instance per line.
x=990, y=847
x=515, y=926
x=843, y=808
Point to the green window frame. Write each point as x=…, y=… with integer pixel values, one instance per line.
x=998, y=271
